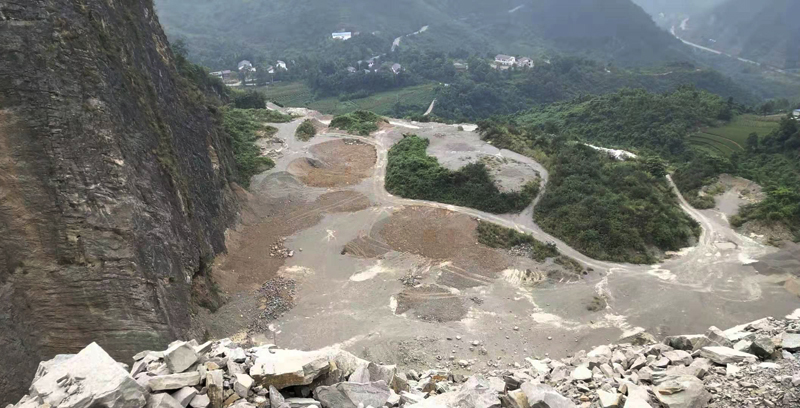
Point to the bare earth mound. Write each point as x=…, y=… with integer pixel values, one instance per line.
x=445, y=236
x=336, y=163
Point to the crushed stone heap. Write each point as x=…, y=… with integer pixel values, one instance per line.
x=752, y=365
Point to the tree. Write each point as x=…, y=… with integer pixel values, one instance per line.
x=752, y=142
x=250, y=100
x=655, y=166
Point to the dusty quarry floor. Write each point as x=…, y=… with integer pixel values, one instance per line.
x=405, y=282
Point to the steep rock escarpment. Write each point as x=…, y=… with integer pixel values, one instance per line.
x=114, y=191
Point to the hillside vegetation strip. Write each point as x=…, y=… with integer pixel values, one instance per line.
x=246, y=126
x=411, y=173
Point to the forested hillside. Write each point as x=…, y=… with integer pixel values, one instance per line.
x=766, y=31
x=218, y=32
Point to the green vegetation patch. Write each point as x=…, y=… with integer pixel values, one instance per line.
x=305, y=131
x=495, y=236
x=245, y=126
x=249, y=100
x=607, y=209
x=288, y=94
x=359, y=122
x=396, y=102
x=411, y=173
x=611, y=210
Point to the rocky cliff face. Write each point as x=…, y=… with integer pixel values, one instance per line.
x=113, y=184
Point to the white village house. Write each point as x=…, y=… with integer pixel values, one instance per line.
x=796, y=113
x=396, y=68
x=343, y=35
x=245, y=65
x=505, y=60
x=282, y=65
x=525, y=62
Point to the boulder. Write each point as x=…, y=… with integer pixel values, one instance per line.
x=301, y=403
x=162, y=400
x=200, y=401
x=515, y=399
x=790, y=342
x=184, y=395
x=725, y=355
x=538, y=366
x=763, y=347
x=609, y=399
x=682, y=392
x=89, y=378
x=686, y=342
x=237, y=355
x=634, y=402
x=678, y=357
x=215, y=384
x=716, y=337
x=541, y=395
x=179, y=357
x=276, y=399
x=174, y=381
x=475, y=393
x=242, y=385
x=350, y=395
x=581, y=373
x=286, y=368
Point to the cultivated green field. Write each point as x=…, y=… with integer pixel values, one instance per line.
x=297, y=94
x=380, y=103
x=292, y=94
x=725, y=140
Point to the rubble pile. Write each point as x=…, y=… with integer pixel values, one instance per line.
x=753, y=365
x=279, y=250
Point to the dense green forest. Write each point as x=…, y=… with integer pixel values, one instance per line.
x=220, y=32
x=611, y=210
x=634, y=119
x=411, y=173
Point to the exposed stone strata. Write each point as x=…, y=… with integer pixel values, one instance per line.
x=113, y=184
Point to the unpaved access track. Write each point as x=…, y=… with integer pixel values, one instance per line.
x=405, y=282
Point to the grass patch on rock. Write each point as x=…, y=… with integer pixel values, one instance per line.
x=359, y=122
x=495, y=236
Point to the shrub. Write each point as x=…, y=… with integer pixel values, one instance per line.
x=495, y=236
x=359, y=122
x=250, y=100
x=305, y=131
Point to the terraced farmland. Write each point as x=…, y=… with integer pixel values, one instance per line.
x=725, y=140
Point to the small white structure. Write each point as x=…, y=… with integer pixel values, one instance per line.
x=282, y=65
x=505, y=60
x=796, y=113
x=343, y=35
x=217, y=74
x=525, y=62
x=351, y=70
x=396, y=68
x=460, y=66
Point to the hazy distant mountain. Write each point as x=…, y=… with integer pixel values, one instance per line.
x=766, y=31
x=613, y=30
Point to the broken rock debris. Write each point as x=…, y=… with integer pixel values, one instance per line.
x=690, y=371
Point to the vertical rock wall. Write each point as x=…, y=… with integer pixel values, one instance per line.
x=114, y=189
